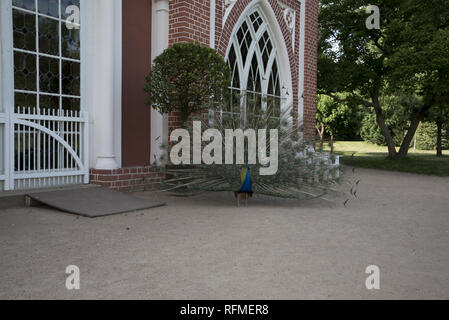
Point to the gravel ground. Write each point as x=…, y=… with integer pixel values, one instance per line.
x=205, y=247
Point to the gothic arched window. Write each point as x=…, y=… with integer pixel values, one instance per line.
x=253, y=59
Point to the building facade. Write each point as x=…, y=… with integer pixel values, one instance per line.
x=72, y=75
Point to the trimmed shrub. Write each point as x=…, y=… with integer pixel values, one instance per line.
x=188, y=78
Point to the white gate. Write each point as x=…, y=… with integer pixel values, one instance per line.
x=43, y=149
x=45, y=143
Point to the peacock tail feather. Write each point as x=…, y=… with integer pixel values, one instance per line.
x=302, y=173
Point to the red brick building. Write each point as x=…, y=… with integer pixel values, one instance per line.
x=80, y=65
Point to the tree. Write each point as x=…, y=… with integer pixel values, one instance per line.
x=188, y=78
x=396, y=110
x=408, y=55
x=339, y=120
x=440, y=116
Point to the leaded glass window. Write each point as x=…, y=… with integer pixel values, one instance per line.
x=47, y=59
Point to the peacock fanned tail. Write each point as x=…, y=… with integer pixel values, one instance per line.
x=302, y=173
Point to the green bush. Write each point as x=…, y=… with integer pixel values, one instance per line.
x=426, y=136
x=342, y=120
x=397, y=114
x=188, y=78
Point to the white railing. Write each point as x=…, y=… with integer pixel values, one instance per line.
x=3, y=122
x=45, y=148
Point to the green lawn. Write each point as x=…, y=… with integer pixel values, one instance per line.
x=366, y=155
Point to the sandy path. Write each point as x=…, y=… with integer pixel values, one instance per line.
x=206, y=248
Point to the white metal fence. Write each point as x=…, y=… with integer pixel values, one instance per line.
x=43, y=148
x=3, y=121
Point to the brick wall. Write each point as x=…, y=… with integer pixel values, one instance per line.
x=310, y=67
x=189, y=21
x=127, y=179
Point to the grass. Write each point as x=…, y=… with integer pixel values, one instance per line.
x=367, y=155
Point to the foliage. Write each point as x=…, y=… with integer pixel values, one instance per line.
x=188, y=78
x=408, y=55
x=367, y=155
x=420, y=164
x=341, y=120
x=426, y=136
x=397, y=118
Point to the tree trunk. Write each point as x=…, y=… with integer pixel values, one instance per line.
x=185, y=114
x=321, y=134
x=439, y=138
x=405, y=146
x=332, y=144
x=392, y=153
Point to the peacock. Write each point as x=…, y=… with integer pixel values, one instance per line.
x=246, y=190
x=303, y=173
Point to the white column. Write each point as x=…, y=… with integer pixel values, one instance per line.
x=7, y=92
x=159, y=42
x=213, y=7
x=103, y=72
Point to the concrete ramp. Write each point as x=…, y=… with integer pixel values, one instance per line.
x=92, y=202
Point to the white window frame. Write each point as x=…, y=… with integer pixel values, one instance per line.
x=9, y=43
x=8, y=118
x=254, y=48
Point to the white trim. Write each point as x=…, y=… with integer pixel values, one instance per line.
x=85, y=106
x=38, y=55
x=302, y=58
x=159, y=42
x=276, y=36
x=45, y=16
x=14, y=123
x=53, y=135
x=86, y=65
x=118, y=76
x=103, y=48
x=213, y=6
x=7, y=88
x=47, y=55
x=227, y=10
x=47, y=94
x=284, y=62
x=52, y=174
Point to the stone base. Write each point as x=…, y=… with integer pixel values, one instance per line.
x=133, y=179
